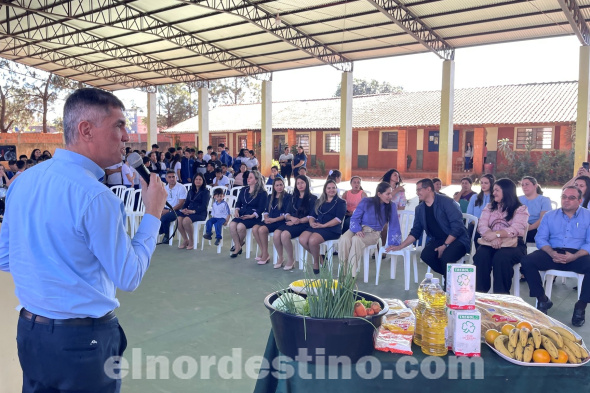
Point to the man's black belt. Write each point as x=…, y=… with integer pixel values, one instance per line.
x=67, y=322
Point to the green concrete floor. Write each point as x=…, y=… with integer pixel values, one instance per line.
x=199, y=303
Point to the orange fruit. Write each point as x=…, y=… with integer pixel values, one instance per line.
x=507, y=328
x=541, y=356
x=561, y=357
x=491, y=335
x=525, y=324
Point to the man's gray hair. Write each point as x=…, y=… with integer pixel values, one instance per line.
x=84, y=104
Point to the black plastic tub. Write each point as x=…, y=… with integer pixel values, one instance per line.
x=350, y=337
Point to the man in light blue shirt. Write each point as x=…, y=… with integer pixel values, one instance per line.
x=563, y=242
x=64, y=242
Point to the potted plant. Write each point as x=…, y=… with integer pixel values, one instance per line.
x=323, y=317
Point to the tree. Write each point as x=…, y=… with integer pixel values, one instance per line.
x=13, y=97
x=235, y=91
x=43, y=89
x=361, y=87
x=174, y=105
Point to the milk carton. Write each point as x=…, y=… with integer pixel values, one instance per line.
x=460, y=286
x=467, y=333
x=450, y=327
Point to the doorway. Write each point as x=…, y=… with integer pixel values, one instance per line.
x=279, y=144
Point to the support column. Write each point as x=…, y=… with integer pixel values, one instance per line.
x=266, y=129
x=479, y=137
x=402, y=152
x=346, y=125
x=581, y=151
x=203, y=136
x=152, y=121
x=445, y=145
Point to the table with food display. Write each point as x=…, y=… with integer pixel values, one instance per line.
x=329, y=337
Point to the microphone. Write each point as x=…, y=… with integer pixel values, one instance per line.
x=136, y=162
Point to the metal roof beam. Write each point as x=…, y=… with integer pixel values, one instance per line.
x=72, y=63
x=410, y=23
x=286, y=32
x=119, y=14
x=576, y=19
x=65, y=35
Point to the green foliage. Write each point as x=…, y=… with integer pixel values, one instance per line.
x=362, y=87
x=276, y=163
x=322, y=167
x=548, y=167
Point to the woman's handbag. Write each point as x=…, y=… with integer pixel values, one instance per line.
x=506, y=242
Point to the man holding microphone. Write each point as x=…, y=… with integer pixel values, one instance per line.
x=64, y=242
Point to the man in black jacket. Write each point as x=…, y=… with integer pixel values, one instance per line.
x=442, y=220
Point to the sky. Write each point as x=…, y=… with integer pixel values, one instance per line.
x=531, y=61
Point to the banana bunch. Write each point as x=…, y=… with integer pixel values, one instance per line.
x=521, y=344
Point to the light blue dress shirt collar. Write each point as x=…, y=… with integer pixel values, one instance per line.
x=79, y=159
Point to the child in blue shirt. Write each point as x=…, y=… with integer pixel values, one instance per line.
x=219, y=217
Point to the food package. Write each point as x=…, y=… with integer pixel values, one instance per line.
x=388, y=341
x=461, y=286
x=498, y=310
x=397, y=329
x=450, y=328
x=466, y=336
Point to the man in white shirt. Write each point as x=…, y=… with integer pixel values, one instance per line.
x=114, y=176
x=176, y=197
x=207, y=157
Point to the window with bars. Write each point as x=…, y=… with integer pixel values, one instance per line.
x=303, y=140
x=539, y=138
x=332, y=143
x=389, y=140
x=216, y=140
x=242, y=142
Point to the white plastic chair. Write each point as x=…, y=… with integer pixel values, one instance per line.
x=468, y=220
x=236, y=191
x=268, y=188
x=231, y=182
x=188, y=186
x=136, y=212
x=551, y=274
x=289, y=189
x=197, y=225
x=119, y=191
x=367, y=258
x=406, y=219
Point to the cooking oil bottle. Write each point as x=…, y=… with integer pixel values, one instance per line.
x=420, y=308
x=434, y=320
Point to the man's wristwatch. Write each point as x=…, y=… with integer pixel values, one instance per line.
x=447, y=244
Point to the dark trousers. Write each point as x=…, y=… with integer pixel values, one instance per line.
x=346, y=223
x=530, y=236
x=217, y=223
x=166, y=220
x=286, y=174
x=60, y=359
x=452, y=254
x=498, y=262
x=539, y=260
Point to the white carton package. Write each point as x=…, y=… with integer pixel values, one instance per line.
x=460, y=286
x=450, y=327
x=466, y=333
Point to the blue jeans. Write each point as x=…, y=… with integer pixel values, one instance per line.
x=218, y=223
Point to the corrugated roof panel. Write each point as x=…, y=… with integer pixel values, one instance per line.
x=535, y=103
x=386, y=52
x=493, y=26
x=550, y=31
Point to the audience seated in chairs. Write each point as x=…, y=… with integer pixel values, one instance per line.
x=220, y=216
x=325, y=222
x=176, y=198
x=537, y=204
x=478, y=202
x=369, y=218
x=296, y=221
x=194, y=209
x=462, y=197
x=249, y=208
x=272, y=219
x=353, y=197
x=502, y=226
x=442, y=220
x=563, y=242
